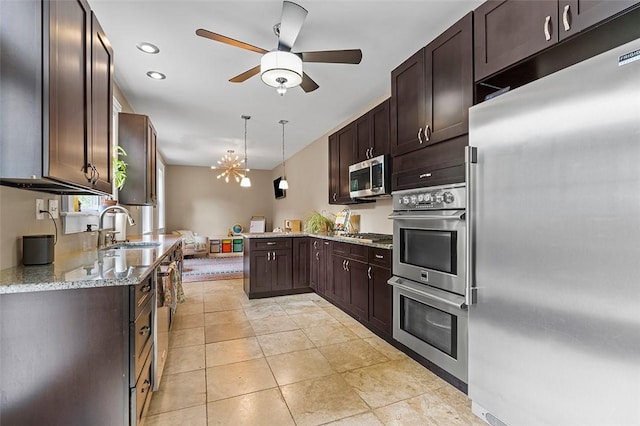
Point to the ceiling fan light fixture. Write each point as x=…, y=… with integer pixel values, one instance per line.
x=281, y=69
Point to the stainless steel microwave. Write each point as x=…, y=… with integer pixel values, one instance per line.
x=370, y=178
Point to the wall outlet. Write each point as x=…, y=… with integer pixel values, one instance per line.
x=53, y=208
x=40, y=206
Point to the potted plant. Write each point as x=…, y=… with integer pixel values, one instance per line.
x=119, y=167
x=317, y=223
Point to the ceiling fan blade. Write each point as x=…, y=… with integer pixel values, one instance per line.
x=293, y=16
x=351, y=56
x=230, y=41
x=308, y=85
x=245, y=75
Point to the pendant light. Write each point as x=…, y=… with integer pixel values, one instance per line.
x=283, y=182
x=245, y=182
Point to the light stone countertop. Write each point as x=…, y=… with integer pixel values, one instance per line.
x=87, y=269
x=324, y=237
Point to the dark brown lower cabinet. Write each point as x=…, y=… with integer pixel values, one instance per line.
x=358, y=289
x=301, y=262
x=338, y=286
x=380, y=299
x=277, y=266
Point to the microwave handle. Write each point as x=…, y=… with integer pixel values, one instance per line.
x=470, y=294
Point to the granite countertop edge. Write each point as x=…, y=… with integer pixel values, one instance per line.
x=324, y=237
x=27, y=279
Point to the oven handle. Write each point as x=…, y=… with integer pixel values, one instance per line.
x=397, y=282
x=471, y=158
x=427, y=217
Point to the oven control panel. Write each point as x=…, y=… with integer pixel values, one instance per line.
x=433, y=198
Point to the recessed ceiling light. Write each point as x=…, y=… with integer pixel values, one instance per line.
x=156, y=75
x=148, y=48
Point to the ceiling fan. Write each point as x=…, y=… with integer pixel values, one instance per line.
x=281, y=68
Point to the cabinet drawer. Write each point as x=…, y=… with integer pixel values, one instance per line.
x=141, y=393
x=270, y=244
x=140, y=341
x=139, y=296
x=380, y=257
x=427, y=176
x=351, y=251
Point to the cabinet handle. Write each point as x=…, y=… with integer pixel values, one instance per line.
x=547, y=25
x=317, y=255
x=420, y=136
x=326, y=243
x=146, y=384
x=145, y=330
x=424, y=175
x=274, y=255
x=565, y=18
x=348, y=266
x=379, y=256
x=271, y=243
x=146, y=288
x=268, y=256
x=86, y=169
x=315, y=244
x=369, y=272
x=97, y=174
x=427, y=132
x=344, y=264
x=371, y=152
x=334, y=196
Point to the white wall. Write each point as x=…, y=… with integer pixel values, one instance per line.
x=196, y=200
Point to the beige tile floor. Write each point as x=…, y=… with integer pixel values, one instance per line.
x=291, y=360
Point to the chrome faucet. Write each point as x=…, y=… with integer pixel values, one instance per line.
x=104, y=236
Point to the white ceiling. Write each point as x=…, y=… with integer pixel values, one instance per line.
x=196, y=110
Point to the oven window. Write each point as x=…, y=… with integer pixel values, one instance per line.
x=433, y=326
x=360, y=179
x=429, y=249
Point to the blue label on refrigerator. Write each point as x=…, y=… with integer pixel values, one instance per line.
x=628, y=58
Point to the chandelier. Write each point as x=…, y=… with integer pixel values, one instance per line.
x=231, y=166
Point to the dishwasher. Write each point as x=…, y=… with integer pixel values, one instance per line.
x=167, y=277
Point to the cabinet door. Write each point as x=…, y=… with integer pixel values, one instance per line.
x=358, y=289
x=508, y=31
x=346, y=143
x=379, y=119
x=449, y=82
x=100, y=146
x=334, y=169
x=151, y=164
x=380, y=298
x=325, y=276
x=407, y=105
x=577, y=15
x=340, y=282
x=69, y=84
x=301, y=262
x=314, y=269
x=281, y=264
x=362, y=138
x=261, y=273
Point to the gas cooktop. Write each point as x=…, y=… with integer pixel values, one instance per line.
x=370, y=237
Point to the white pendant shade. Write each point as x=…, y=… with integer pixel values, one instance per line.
x=281, y=68
x=283, y=184
x=245, y=182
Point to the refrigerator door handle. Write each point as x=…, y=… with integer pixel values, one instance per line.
x=471, y=158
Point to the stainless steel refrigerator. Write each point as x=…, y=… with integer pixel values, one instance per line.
x=554, y=335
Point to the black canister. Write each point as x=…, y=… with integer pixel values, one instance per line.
x=37, y=249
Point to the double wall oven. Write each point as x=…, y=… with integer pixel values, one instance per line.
x=429, y=275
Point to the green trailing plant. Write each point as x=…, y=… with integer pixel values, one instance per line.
x=317, y=223
x=119, y=167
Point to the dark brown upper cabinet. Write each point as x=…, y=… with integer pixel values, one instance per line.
x=509, y=31
x=432, y=91
x=137, y=136
x=341, y=156
x=372, y=133
x=57, y=56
